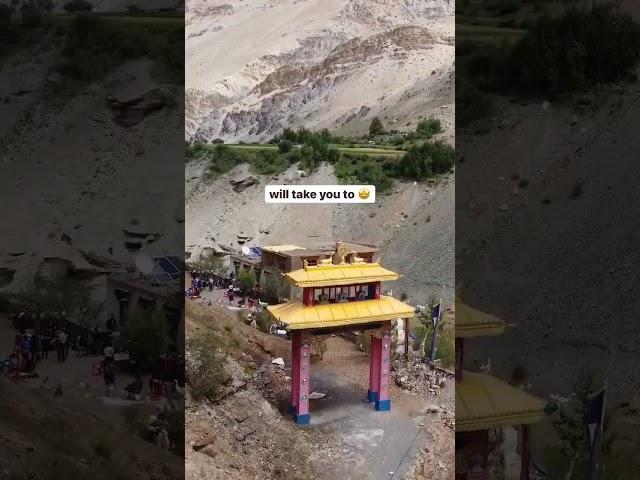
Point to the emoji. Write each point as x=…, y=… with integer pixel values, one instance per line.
x=363, y=193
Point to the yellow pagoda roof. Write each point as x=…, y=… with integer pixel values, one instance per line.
x=474, y=323
x=484, y=402
x=340, y=274
x=298, y=316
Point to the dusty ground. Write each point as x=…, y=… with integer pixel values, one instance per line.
x=413, y=225
x=347, y=437
x=332, y=64
x=569, y=300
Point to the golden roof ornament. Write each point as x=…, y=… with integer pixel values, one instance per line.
x=342, y=251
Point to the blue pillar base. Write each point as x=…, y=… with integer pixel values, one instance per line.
x=372, y=396
x=292, y=409
x=383, y=405
x=302, y=419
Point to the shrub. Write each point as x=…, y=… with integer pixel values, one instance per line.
x=371, y=172
x=223, y=158
x=263, y=321
x=429, y=127
x=204, y=367
x=217, y=141
x=397, y=140
x=285, y=146
x=77, y=6
x=426, y=160
x=376, y=127
x=269, y=162
x=471, y=103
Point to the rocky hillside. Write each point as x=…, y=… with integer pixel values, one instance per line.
x=51, y=438
x=253, y=68
x=74, y=152
x=542, y=181
x=413, y=225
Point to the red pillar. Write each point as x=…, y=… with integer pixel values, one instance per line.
x=295, y=369
x=374, y=368
x=383, y=402
x=301, y=376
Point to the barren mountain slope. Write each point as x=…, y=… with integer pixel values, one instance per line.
x=580, y=170
x=71, y=155
x=253, y=69
x=413, y=225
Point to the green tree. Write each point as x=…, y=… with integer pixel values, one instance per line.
x=246, y=280
x=376, y=127
x=147, y=336
x=273, y=288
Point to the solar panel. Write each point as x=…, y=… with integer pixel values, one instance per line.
x=167, y=269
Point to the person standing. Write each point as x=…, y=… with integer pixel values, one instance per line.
x=35, y=350
x=25, y=352
x=109, y=374
x=62, y=346
x=111, y=323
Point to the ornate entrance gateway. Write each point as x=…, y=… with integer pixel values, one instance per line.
x=341, y=293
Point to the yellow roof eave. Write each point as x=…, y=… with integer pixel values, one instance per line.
x=471, y=322
x=484, y=402
x=298, y=316
x=343, y=274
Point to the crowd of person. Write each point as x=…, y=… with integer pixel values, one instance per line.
x=204, y=281
x=38, y=334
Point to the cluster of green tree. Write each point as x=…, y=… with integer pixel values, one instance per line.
x=426, y=129
x=91, y=46
x=365, y=170
x=565, y=53
x=94, y=46
x=223, y=158
x=423, y=158
x=23, y=24
x=305, y=136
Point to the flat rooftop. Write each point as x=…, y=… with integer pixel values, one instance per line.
x=298, y=251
